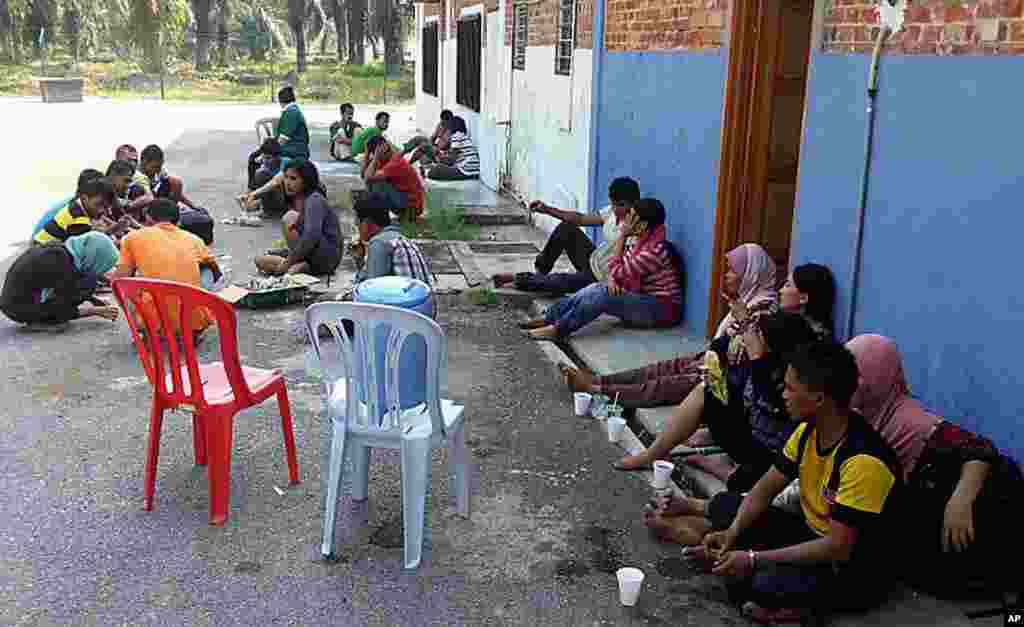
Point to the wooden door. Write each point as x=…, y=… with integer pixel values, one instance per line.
x=762, y=128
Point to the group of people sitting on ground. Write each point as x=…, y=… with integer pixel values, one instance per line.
x=125, y=223
x=830, y=467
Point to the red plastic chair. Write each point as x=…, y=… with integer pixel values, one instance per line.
x=216, y=391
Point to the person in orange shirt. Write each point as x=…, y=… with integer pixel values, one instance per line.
x=161, y=250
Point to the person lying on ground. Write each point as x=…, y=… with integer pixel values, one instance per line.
x=161, y=250
x=836, y=555
x=423, y=149
x=461, y=161
x=643, y=288
x=139, y=194
x=744, y=411
x=961, y=491
x=83, y=176
x=381, y=249
x=388, y=173
x=310, y=227
x=590, y=262
x=161, y=184
x=748, y=285
x=91, y=202
x=343, y=132
x=51, y=284
x=383, y=120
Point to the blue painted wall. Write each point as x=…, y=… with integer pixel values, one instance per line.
x=660, y=122
x=944, y=224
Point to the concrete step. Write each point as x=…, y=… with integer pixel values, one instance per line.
x=506, y=214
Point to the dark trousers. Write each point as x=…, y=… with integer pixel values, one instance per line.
x=252, y=166
x=442, y=172
x=853, y=586
x=399, y=201
x=569, y=239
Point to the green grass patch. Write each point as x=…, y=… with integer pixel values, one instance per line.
x=444, y=223
x=482, y=297
x=325, y=81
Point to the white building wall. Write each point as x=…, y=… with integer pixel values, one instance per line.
x=551, y=131
x=428, y=108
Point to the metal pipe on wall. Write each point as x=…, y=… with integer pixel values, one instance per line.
x=598, y=53
x=865, y=178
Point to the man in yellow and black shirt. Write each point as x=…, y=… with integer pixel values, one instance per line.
x=93, y=200
x=833, y=556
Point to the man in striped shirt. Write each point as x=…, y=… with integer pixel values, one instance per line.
x=461, y=161
x=643, y=287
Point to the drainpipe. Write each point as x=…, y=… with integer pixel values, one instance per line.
x=869, y=134
x=596, y=67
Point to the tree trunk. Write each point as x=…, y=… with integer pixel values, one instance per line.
x=223, y=16
x=300, y=49
x=340, y=27
x=393, y=37
x=204, y=34
x=357, y=10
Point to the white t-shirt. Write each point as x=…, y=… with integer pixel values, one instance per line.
x=610, y=232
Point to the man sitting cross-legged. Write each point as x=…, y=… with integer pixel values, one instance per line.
x=388, y=173
x=591, y=263
x=835, y=555
x=643, y=288
x=161, y=250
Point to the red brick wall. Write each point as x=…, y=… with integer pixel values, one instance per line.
x=665, y=24
x=585, y=24
x=543, y=20
x=930, y=27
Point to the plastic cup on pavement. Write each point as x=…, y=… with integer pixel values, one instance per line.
x=630, y=581
x=616, y=426
x=662, y=473
x=582, y=402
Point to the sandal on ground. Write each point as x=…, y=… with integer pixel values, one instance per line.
x=533, y=323
x=621, y=468
x=526, y=333
x=775, y=616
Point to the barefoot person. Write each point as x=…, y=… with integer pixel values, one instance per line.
x=643, y=288
x=343, y=132
x=590, y=262
x=50, y=284
x=838, y=553
x=311, y=227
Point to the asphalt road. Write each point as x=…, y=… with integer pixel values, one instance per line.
x=551, y=520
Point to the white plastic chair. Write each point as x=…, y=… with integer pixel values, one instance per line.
x=414, y=431
x=265, y=128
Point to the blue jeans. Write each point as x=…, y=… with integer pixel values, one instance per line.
x=574, y=312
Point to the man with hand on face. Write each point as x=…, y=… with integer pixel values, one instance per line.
x=389, y=174
x=833, y=556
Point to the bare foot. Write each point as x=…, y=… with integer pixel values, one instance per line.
x=576, y=380
x=549, y=332
x=640, y=461
x=533, y=323
x=684, y=506
x=684, y=530
x=500, y=280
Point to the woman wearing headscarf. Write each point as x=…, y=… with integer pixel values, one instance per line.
x=750, y=290
x=54, y=283
x=961, y=490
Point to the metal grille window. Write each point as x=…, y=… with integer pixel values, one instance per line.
x=566, y=36
x=467, y=70
x=430, y=46
x=519, y=35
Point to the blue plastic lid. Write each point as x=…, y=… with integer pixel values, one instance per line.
x=399, y=291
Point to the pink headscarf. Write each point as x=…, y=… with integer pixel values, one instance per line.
x=757, y=278
x=883, y=398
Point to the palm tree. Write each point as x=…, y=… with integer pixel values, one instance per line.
x=305, y=15
x=204, y=35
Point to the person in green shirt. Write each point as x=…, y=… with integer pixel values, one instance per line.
x=359, y=141
x=292, y=132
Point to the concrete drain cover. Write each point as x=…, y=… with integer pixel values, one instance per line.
x=499, y=248
x=440, y=256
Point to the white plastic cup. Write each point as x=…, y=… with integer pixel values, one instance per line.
x=630, y=581
x=662, y=473
x=616, y=426
x=582, y=402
